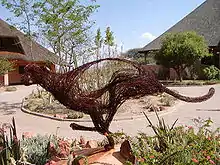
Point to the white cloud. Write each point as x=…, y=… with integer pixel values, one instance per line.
x=148, y=36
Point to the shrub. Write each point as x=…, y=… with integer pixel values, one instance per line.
x=118, y=137
x=74, y=115
x=187, y=83
x=10, y=89
x=39, y=102
x=9, y=144
x=181, y=50
x=178, y=145
x=5, y=66
x=167, y=100
x=36, y=148
x=211, y=72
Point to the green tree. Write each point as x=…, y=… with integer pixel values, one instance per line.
x=23, y=10
x=109, y=40
x=98, y=42
x=5, y=66
x=65, y=25
x=181, y=50
x=98, y=45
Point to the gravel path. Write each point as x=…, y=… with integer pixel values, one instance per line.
x=10, y=103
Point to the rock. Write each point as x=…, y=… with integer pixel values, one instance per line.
x=91, y=144
x=125, y=149
x=27, y=134
x=154, y=108
x=162, y=108
x=60, y=116
x=82, y=140
x=126, y=152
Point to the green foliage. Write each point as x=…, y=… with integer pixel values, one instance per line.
x=24, y=10
x=191, y=82
x=118, y=137
x=140, y=57
x=178, y=145
x=9, y=144
x=98, y=44
x=40, y=102
x=66, y=26
x=10, y=89
x=74, y=115
x=147, y=60
x=211, y=72
x=109, y=40
x=105, y=72
x=167, y=100
x=62, y=25
x=36, y=148
x=5, y=66
x=98, y=38
x=104, y=46
x=133, y=53
x=181, y=50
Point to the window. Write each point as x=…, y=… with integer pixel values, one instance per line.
x=11, y=44
x=21, y=69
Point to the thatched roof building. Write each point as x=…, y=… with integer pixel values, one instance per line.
x=204, y=20
x=21, y=50
x=15, y=45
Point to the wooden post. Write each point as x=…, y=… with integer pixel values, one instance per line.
x=218, y=54
x=6, y=81
x=145, y=58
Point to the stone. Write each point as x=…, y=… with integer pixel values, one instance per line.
x=60, y=116
x=162, y=108
x=126, y=152
x=154, y=108
x=91, y=144
x=27, y=134
x=82, y=142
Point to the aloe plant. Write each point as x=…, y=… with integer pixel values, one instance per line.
x=178, y=145
x=9, y=145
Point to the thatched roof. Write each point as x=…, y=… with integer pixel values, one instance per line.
x=39, y=53
x=204, y=20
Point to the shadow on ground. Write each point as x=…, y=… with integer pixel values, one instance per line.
x=7, y=108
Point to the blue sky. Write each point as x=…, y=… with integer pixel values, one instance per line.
x=136, y=22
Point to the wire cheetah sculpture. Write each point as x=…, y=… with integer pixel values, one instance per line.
x=124, y=84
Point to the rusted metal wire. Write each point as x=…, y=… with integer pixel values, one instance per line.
x=124, y=84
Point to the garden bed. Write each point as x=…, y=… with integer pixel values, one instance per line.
x=40, y=103
x=182, y=145
x=8, y=88
x=189, y=82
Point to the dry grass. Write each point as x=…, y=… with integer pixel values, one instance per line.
x=40, y=102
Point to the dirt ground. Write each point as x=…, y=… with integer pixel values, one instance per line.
x=130, y=107
x=145, y=104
